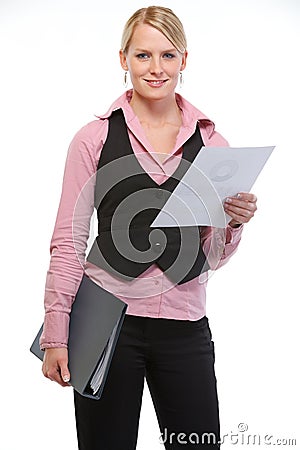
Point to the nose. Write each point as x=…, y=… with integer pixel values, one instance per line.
x=155, y=66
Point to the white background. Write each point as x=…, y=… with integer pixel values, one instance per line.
x=59, y=67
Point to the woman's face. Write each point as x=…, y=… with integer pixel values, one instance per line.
x=153, y=63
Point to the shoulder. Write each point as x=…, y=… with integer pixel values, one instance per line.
x=91, y=132
x=97, y=127
x=88, y=141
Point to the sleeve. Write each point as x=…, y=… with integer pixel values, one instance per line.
x=219, y=244
x=69, y=239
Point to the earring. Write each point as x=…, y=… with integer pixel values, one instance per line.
x=125, y=81
x=180, y=79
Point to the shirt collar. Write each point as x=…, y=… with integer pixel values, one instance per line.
x=190, y=114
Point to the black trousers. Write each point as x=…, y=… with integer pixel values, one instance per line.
x=176, y=357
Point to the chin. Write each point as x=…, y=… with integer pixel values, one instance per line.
x=157, y=94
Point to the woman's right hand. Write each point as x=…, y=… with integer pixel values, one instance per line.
x=55, y=365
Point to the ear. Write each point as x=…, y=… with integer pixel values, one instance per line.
x=123, y=61
x=183, y=62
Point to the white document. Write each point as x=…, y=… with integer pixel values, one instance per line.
x=100, y=371
x=216, y=173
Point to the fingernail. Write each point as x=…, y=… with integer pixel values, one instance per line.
x=66, y=378
x=228, y=200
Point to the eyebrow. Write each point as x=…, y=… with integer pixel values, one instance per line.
x=164, y=51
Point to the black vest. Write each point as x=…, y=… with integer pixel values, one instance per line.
x=128, y=200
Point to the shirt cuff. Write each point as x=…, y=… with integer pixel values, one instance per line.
x=233, y=234
x=55, y=330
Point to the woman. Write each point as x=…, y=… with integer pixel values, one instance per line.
x=165, y=336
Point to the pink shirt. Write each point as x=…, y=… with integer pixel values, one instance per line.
x=152, y=294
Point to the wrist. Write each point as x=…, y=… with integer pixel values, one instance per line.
x=234, y=224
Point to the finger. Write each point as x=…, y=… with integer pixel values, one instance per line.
x=240, y=203
x=247, y=196
x=54, y=375
x=63, y=369
x=240, y=215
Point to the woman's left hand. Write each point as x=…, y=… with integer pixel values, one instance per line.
x=241, y=208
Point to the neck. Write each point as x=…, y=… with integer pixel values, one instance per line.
x=156, y=112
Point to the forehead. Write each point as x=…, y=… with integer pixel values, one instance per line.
x=145, y=36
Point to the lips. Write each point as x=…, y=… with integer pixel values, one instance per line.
x=156, y=83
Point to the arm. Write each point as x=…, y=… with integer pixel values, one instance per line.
x=220, y=244
x=67, y=250
x=67, y=254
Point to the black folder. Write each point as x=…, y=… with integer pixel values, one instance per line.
x=95, y=322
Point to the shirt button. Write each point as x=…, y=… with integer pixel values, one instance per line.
x=157, y=247
x=159, y=193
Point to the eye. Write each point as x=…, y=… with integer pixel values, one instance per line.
x=168, y=55
x=142, y=56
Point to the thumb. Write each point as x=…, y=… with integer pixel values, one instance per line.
x=65, y=374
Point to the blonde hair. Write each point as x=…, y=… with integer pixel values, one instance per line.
x=161, y=18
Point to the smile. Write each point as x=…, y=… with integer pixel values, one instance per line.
x=156, y=83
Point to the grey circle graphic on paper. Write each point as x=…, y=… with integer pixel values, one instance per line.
x=224, y=170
